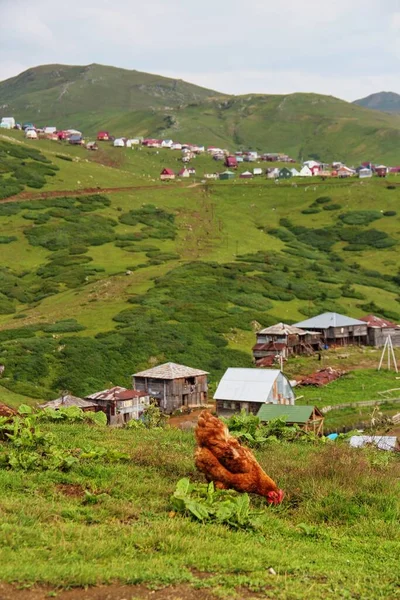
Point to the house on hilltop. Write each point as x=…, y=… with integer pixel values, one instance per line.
x=173, y=386
x=248, y=389
x=337, y=329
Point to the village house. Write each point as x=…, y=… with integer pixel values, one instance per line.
x=120, y=404
x=248, y=389
x=7, y=122
x=380, y=329
x=246, y=175
x=231, y=162
x=285, y=173
x=66, y=401
x=257, y=171
x=31, y=134
x=337, y=329
x=381, y=170
x=309, y=418
x=103, y=136
x=283, y=340
x=305, y=171
x=167, y=174
x=364, y=173
x=227, y=175
x=184, y=173
x=119, y=143
x=173, y=386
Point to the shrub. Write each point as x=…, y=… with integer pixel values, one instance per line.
x=332, y=207
x=389, y=213
x=7, y=239
x=310, y=211
x=64, y=326
x=360, y=217
x=64, y=157
x=323, y=200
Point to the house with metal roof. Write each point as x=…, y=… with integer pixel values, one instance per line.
x=337, y=329
x=380, y=329
x=281, y=341
x=173, y=386
x=120, y=404
x=66, y=401
x=248, y=389
x=383, y=442
x=308, y=418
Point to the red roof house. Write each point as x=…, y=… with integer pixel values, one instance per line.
x=167, y=174
x=231, y=162
x=103, y=136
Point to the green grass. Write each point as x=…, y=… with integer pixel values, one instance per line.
x=336, y=534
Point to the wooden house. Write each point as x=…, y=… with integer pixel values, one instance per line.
x=380, y=329
x=120, y=404
x=283, y=340
x=66, y=401
x=167, y=174
x=173, y=386
x=308, y=418
x=337, y=329
x=248, y=389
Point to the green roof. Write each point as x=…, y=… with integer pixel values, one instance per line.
x=294, y=414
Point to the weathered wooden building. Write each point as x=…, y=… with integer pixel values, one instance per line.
x=283, y=340
x=337, y=329
x=380, y=329
x=120, y=404
x=248, y=389
x=173, y=386
x=66, y=401
x=308, y=418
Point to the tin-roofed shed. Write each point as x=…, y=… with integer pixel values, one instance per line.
x=67, y=401
x=308, y=418
x=247, y=389
x=173, y=386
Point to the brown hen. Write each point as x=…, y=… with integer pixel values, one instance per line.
x=227, y=463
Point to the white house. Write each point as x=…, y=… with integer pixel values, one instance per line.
x=305, y=171
x=295, y=172
x=167, y=144
x=50, y=130
x=8, y=121
x=31, y=134
x=249, y=389
x=311, y=164
x=364, y=173
x=184, y=173
x=119, y=143
x=257, y=171
x=176, y=146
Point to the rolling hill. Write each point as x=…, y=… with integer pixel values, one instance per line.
x=105, y=270
x=383, y=101
x=132, y=103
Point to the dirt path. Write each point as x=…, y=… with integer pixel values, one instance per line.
x=82, y=192
x=109, y=592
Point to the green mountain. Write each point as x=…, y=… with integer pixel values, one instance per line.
x=384, y=101
x=132, y=103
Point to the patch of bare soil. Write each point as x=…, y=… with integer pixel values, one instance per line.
x=105, y=592
x=73, y=490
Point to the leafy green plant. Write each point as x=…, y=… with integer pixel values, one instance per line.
x=207, y=504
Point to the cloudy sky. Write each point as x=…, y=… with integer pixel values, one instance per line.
x=346, y=48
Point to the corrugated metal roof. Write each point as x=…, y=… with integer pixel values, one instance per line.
x=110, y=394
x=67, y=401
x=246, y=385
x=294, y=414
x=328, y=319
x=373, y=321
x=170, y=370
x=383, y=442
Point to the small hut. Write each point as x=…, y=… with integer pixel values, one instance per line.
x=66, y=401
x=309, y=418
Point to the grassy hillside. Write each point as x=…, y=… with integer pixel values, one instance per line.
x=82, y=95
x=110, y=521
x=97, y=286
x=132, y=103
x=384, y=101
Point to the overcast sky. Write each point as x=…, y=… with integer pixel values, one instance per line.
x=346, y=48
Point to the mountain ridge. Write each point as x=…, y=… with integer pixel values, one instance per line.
x=382, y=101
x=131, y=103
